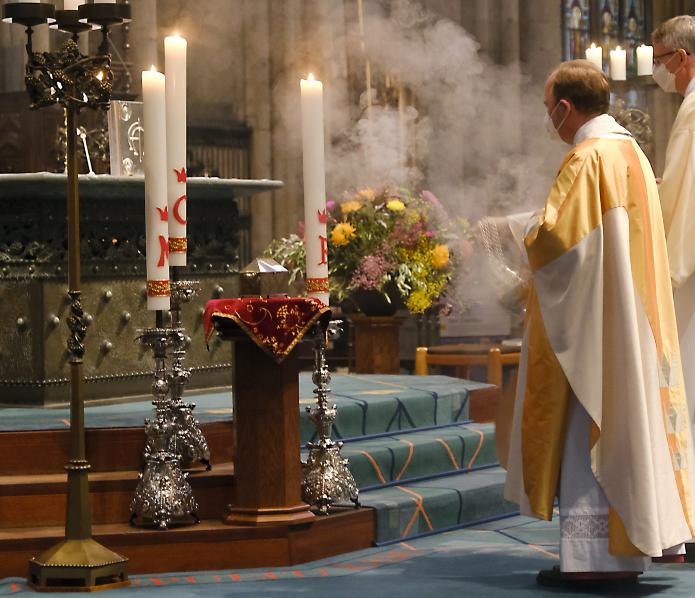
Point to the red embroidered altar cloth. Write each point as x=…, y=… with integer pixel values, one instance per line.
x=275, y=324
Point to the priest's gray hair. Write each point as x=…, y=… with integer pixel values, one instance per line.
x=677, y=33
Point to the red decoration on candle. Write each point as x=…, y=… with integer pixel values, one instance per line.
x=324, y=250
x=163, y=214
x=322, y=216
x=177, y=204
x=163, y=250
x=181, y=175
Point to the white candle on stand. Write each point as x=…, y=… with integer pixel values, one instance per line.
x=315, y=237
x=175, y=69
x=618, y=64
x=156, y=225
x=595, y=55
x=645, y=60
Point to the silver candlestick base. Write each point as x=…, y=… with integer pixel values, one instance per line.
x=327, y=479
x=190, y=440
x=163, y=493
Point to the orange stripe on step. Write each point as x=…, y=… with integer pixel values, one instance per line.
x=477, y=450
x=14, y=587
x=448, y=450
x=297, y=573
x=191, y=579
x=156, y=581
x=323, y=572
x=419, y=510
x=410, y=456
x=375, y=465
x=544, y=551
x=270, y=575
x=217, y=578
x=409, y=546
x=234, y=577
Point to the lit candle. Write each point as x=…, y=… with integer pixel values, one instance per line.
x=645, y=60
x=72, y=4
x=618, y=64
x=595, y=55
x=156, y=228
x=315, y=238
x=175, y=69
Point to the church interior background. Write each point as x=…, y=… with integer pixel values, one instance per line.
x=436, y=95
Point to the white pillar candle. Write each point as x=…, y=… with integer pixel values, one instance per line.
x=72, y=4
x=156, y=213
x=315, y=237
x=175, y=69
x=618, y=64
x=595, y=55
x=645, y=60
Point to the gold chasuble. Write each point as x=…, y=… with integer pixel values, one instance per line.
x=601, y=328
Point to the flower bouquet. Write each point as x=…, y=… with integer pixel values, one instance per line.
x=390, y=242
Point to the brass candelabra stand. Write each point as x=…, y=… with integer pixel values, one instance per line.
x=74, y=81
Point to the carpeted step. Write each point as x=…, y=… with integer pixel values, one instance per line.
x=406, y=456
x=424, y=507
x=373, y=404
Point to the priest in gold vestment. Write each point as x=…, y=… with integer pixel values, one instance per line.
x=600, y=419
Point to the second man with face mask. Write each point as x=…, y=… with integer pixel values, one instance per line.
x=674, y=71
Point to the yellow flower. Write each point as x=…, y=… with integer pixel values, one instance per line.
x=350, y=206
x=395, y=205
x=440, y=256
x=342, y=233
x=418, y=302
x=367, y=194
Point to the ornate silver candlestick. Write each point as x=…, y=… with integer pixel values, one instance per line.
x=189, y=441
x=327, y=479
x=163, y=493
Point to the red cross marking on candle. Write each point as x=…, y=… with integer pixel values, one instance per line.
x=180, y=175
x=324, y=250
x=163, y=250
x=177, y=205
x=163, y=214
x=322, y=216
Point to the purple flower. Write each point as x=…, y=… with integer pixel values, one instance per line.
x=330, y=204
x=432, y=198
x=371, y=272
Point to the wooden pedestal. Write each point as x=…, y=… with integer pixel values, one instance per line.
x=376, y=346
x=267, y=465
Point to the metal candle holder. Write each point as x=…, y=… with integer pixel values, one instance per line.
x=327, y=479
x=74, y=81
x=163, y=493
x=189, y=441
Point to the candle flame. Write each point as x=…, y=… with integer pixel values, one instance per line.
x=593, y=46
x=618, y=48
x=153, y=69
x=311, y=77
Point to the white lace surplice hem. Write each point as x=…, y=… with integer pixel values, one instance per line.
x=584, y=507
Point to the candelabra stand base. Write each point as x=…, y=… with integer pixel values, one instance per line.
x=327, y=479
x=78, y=565
x=163, y=494
x=190, y=441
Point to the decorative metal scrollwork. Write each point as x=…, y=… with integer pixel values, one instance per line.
x=77, y=326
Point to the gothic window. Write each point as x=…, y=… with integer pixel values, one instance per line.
x=607, y=23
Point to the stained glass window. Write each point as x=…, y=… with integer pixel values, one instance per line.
x=576, y=27
x=607, y=23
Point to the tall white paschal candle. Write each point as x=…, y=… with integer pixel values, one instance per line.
x=645, y=60
x=618, y=64
x=595, y=55
x=175, y=69
x=315, y=238
x=156, y=212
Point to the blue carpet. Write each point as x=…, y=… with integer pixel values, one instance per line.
x=495, y=560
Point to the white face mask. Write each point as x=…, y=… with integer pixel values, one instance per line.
x=664, y=78
x=552, y=133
